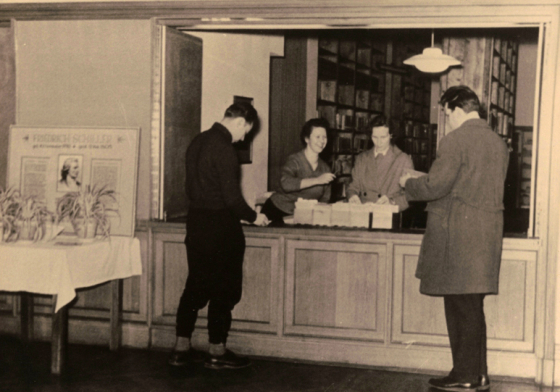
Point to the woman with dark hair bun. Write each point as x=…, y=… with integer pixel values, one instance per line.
x=376, y=172
x=304, y=175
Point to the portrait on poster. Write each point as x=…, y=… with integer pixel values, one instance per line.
x=69, y=173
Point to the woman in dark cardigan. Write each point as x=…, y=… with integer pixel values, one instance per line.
x=304, y=175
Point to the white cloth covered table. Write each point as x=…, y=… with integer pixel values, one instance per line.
x=47, y=268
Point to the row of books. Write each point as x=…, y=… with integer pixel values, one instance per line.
x=329, y=90
x=416, y=146
x=340, y=118
x=507, y=50
x=418, y=130
x=347, y=49
x=416, y=111
x=501, y=123
x=505, y=75
x=502, y=97
x=348, y=142
x=415, y=94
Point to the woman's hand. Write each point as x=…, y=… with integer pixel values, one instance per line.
x=355, y=200
x=383, y=200
x=325, y=178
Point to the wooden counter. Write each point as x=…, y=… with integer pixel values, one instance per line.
x=318, y=294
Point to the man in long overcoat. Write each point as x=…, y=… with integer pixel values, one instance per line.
x=461, y=249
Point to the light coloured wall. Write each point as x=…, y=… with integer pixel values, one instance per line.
x=239, y=64
x=526, y=82
x=87, y=73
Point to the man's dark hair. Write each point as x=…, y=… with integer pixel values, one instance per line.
x=307, y=128
x=243, y=109
x=462, y=97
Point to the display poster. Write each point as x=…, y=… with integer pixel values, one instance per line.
x=48, y=162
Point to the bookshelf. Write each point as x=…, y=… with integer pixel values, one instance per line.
x=419, y=135
x=350, y=90
x=490, y=69
x=502, y=79
x=350, y=93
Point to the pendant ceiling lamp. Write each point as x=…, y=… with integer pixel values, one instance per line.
x=432, y=60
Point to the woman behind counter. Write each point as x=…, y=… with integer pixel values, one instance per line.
x=304, y=175
x=376, y=172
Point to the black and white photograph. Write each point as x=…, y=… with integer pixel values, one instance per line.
x=280, y=196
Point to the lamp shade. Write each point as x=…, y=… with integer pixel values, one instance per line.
x=432, y=60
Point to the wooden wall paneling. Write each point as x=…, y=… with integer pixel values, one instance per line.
x=135, y=290
x=7, y=303
x=260, y=283
x=416, y=318
x=170, y=274
x=43, y=303
x=510, y=315
x=335, y=289
x=262, y=287
x=9, y=315
x=91, y=299
x=420, y=319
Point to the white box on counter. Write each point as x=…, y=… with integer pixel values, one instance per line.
x=369, y=215
x=322, y=214
x=303, y=213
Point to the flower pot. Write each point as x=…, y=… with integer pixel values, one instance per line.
x=28, y=231
x=85, y=228
x=51, y=230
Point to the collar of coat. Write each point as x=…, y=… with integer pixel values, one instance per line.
x=223, y=131
x=393, y=151
x=473, y=122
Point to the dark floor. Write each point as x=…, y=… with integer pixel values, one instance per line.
x=95, y=368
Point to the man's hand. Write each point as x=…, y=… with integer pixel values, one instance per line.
x=403, y=179
x=383, y=200
x=261, y=220
x=355, y=200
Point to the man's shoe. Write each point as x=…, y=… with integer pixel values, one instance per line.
x=229, y=360
x=184, y=358
x=451, y=384
x=483, y=382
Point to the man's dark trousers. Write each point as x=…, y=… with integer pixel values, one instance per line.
x=215, y=249
x=466, y=326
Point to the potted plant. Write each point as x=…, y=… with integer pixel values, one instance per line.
x=88, y=209
x=30, y=218
x=8, y=210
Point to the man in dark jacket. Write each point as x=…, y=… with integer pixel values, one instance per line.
x=215, y=241
x=461, y=249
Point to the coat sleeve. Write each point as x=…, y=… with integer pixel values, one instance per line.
x=441, y=177
x=356, y=184
x=290, y=181
x=400, y=197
